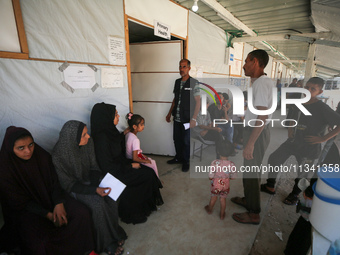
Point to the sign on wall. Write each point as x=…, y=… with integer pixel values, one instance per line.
x=116, y=51
x=162, y=30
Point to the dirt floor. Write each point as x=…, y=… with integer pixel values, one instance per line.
x=279, y=220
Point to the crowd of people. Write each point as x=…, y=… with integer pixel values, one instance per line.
x=53, y=204
x=303, y=142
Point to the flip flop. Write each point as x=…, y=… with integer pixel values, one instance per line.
x=264, y=189
x=245, y=218
x=121, y=242
x=239, y=201
x=291, y=199
x=114, y=249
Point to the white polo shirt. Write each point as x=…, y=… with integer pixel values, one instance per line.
x=262, y=96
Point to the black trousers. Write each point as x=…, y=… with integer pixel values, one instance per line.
x=252, y=180
x=279, y=157
x=182, y=142
x=300, y=239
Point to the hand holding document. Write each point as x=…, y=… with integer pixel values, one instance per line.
x=117, y=187
x=186, y=125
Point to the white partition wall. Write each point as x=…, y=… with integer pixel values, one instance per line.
x=268, y=69
x=207, y=46
x=74, y=30
x=31, y=94
x=9, y=40
x=154, y=69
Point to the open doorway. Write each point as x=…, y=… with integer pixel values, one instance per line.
x=154, y=68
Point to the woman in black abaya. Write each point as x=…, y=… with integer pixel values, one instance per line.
x=45, y=220
x=78, y=172
x=141, y=195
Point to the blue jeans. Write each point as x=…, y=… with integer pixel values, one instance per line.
x=227, y=131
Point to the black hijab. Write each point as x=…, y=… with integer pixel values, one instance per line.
x=24, y=181
x=109, y=143
x=102, y=117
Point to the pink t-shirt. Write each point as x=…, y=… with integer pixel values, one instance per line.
x=132, y=143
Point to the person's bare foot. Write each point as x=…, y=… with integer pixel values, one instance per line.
x=207, y=208
x=222, y=215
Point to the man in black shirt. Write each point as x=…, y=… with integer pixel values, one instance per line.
x=304, y=140
x=185, y=108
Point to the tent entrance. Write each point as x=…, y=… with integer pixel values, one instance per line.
x=154, y=69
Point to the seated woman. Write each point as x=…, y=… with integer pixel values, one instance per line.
x=45, y=220
x=141, y=194
x=74, y=159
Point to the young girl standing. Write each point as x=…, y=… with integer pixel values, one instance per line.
x=221, y=172
x=133, y=151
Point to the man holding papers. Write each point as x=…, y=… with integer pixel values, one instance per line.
x=187, y=97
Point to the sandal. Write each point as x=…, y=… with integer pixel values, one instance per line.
x=266, y=190
x=114, y=249
x=239, y=201
x=291, y=199
x=121, y=243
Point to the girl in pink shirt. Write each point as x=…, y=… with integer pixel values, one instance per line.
x=133, y=150
x=221, y=171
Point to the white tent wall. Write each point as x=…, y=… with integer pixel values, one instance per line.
x=268, y=69
x=74, y=30
x=333, y=98
x=206, y=48
x=9, y=40
x=283, y=73
x=247, y=48
x=31, y=91
x=163, y=11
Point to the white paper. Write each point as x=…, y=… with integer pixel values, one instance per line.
x=117, y=187
x=80, y=77
x=186, y=126
x=112, y=78
x=116, y=51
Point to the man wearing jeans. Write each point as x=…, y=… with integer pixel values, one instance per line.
x=255, y=137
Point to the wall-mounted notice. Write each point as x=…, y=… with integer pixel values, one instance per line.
x=112, y=78
x=116, y=51
x=162, y=30
x=236, y=68
x=79, y=77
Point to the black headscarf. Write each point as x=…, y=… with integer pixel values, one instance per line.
x=24, y=181
x=102, y=117
x=109, y=143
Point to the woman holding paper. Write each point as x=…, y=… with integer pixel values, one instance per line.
x=141, y=195
x=39, y=217
x=78, y=172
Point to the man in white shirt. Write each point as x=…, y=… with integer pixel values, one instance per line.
x=255, y=137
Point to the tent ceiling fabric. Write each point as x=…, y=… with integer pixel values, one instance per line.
x=294, y=17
